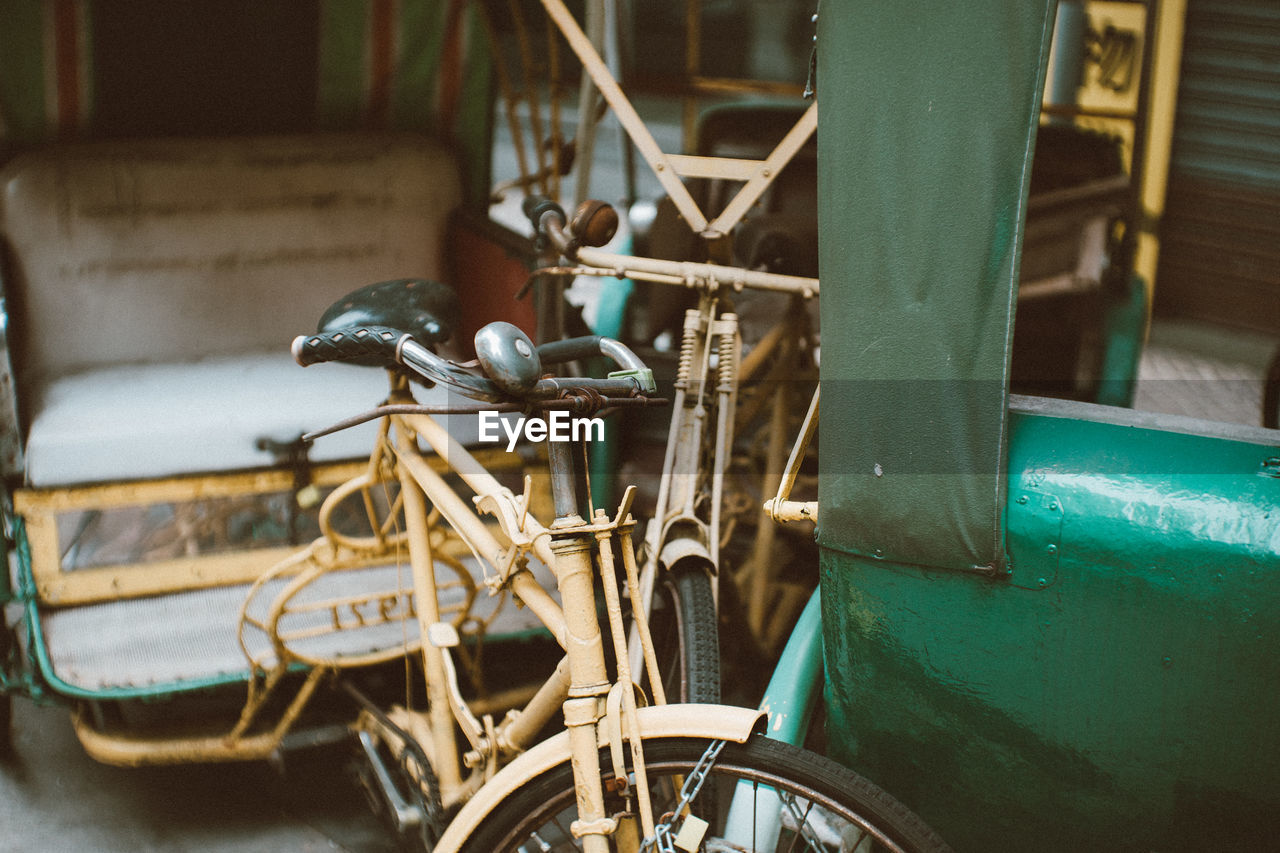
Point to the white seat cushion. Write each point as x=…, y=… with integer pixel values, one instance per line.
x=144, y=421
x=189, y=639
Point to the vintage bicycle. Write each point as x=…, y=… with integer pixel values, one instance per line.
x=628, y=772
x=694, y=517
x=720, y=460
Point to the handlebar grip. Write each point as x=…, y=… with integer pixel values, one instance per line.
x=370, y=345
x=570, y=349
x=589, y=346
x=535, y=206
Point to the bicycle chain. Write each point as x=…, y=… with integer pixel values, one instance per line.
x=425, y=787
x=662, y=840
x=433, y=819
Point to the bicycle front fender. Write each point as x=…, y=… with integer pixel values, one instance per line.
x=702, y=722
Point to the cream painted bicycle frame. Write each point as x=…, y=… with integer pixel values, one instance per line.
x=671, y=168
x=505, y=553
x=702, y=722
x=597, y=710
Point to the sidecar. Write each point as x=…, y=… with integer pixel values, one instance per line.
x=1048, y=624
x=180, y=203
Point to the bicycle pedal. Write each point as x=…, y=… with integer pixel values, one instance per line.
x=443, y=635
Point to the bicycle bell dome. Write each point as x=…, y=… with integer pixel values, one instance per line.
x=508, y=356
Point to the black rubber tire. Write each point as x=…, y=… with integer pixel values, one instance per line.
x=686, y=637
x=832, y=793
x=1271, y=395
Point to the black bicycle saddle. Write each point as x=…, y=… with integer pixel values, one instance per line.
x=427, y=310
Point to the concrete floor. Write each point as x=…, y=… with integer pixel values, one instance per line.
x=55, y=798
x=1204, y=371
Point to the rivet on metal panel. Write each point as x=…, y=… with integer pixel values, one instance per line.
x=1034, y=537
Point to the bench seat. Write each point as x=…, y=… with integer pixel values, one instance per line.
x=186, y=640
x=153, y=287
x=147, y=421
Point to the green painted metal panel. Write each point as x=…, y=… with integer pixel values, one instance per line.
x=792, y=691
x=928, y=117
x=1128, y=702
x=1124, y=326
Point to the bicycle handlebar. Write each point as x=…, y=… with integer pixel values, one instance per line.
x=590, y=346
x=394, y=347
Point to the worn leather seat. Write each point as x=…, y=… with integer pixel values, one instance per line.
x=427, y=310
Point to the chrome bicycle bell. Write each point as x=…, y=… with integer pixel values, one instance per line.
x=508, y=357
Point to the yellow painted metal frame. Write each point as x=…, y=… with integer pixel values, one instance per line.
x=40, y=508
x=127, y=750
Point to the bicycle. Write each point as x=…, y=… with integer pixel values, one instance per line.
x=693, y=518
x=623, y=775
x=700, y=499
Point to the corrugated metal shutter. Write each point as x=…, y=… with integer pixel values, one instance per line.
x=1220, y=234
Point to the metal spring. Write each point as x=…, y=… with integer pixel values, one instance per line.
x=688, y=342
x=726, y=363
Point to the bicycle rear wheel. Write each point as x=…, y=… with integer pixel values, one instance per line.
x=686, y=636
x=796, y=800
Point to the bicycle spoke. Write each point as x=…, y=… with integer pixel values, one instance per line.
x=795, y=802
x=543, y=847
x=568, y=836
x=802, y=824
x=755, y=814
x=795, y=839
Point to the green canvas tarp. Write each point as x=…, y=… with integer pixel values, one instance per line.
x=928, y=119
